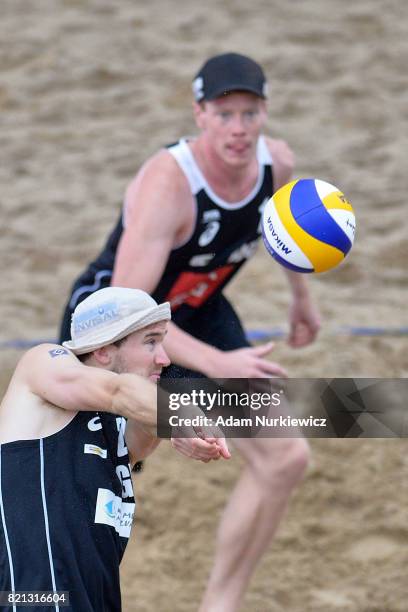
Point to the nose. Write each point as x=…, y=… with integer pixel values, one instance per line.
x=238, y=126
x=162, y=358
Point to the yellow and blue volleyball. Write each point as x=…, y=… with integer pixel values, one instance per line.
x=308, y=226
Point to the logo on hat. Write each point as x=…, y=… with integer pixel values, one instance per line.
x=95, y=316
x=198, y=88
x=227, y=73
x=110, y=314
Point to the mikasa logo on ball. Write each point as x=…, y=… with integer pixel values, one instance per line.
x=279, y=242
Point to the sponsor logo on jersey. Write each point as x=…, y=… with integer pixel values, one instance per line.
x=245, y=251
x=199, y=261
x=111, y=510
x=209, y=234
x=211, y=219
x=123, y=473
x=121, y=427
x=194, y=288
x=95, y=424
x=92, y=449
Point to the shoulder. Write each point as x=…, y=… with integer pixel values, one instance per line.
x=161, y=171
x=45, y=356
x=283, y=160
x=26, y=409
x=160, y=185
x=49, y=350
x=39, y=370
x=280, y=151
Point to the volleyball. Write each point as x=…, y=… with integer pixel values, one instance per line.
x=308, y=226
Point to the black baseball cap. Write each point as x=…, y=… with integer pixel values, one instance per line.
x=228, y=72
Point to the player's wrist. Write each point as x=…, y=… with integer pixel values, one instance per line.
x=300, y=288
x=298, y=284
x=301, y=296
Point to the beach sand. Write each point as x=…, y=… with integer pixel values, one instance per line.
x=88, y=89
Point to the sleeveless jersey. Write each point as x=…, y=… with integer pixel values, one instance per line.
x=224, y=236
x=66, y=510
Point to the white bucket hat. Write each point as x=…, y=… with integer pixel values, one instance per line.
x=111, y=314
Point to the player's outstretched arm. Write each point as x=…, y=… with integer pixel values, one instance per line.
x=304, y=317
x=56, y=376
x=250, y=362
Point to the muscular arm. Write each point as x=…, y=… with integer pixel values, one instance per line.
x=55, y=378
x=62, y=380
x=158, y=216
x=304, y=317
x=140, y=441
x=75, y=386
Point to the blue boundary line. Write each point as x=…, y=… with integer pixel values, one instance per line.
x=256, y=335
x=253, y=335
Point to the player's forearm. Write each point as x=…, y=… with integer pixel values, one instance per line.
x=135, y=398
x=185, y=350
x=298, y=284
x=145, y=449
x=140, y=441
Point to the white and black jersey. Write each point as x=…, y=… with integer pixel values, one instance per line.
x=224, y=236
x=66, y=510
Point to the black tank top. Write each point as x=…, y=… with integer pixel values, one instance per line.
x=66, y=510
x=224, y=236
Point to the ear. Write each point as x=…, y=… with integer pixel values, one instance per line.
x=199, y=114
x=104, y=355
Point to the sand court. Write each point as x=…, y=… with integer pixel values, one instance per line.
x=89, y=89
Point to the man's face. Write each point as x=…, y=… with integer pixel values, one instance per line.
x=231, y=125
x=142, y=352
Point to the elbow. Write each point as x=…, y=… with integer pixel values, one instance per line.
x=142, y=451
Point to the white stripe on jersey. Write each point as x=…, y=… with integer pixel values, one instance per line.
x=47, y=527
x=3, y=519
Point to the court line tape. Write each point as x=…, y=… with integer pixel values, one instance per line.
x=253, y=335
